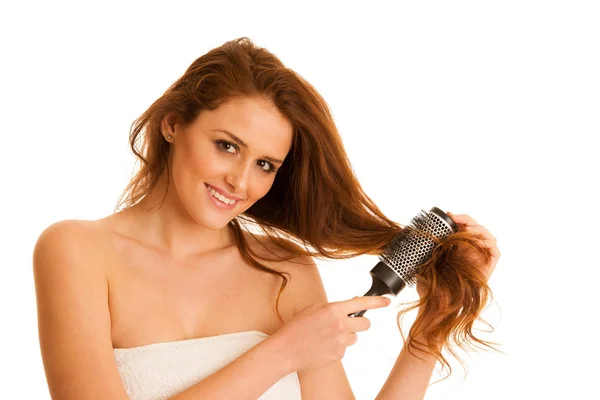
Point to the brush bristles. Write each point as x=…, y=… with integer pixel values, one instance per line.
x=413, y=246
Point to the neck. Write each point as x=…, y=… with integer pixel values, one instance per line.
x=171, y=229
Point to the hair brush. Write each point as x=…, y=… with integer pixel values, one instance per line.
x=412, y=247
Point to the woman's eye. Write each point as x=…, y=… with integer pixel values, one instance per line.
x=271, y=167
x=225, y=146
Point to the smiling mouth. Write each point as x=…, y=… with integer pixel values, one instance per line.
x=219, y=197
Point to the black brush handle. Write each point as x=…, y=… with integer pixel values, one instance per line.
x=385, y=281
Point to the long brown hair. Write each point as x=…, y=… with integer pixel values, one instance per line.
x=316, y=206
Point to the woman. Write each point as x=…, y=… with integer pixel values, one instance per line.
x=175, y=296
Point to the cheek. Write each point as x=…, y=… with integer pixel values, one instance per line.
x=198, y=162
x=260, y=187
x=190, y=170
x=206, y=167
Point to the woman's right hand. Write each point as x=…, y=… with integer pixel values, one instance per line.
x=319, y=334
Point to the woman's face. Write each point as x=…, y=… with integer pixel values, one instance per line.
x=206, y=161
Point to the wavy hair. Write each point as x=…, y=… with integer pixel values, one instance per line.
x=316, y=206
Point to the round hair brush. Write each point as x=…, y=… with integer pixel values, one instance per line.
x=402, y=257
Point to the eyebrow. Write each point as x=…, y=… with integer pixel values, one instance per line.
x=243, y=144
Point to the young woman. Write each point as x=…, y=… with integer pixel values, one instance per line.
x=178, y=296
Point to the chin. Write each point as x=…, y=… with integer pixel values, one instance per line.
x=215, y=224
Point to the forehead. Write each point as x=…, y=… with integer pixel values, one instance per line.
x=256, y=121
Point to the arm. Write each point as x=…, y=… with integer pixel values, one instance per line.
x=409, y=377
x=75, y=334
x=246, y=378
x=73, y=315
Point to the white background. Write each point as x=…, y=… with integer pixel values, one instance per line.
x=484, y=108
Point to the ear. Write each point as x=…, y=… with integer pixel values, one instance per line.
x=168, y=126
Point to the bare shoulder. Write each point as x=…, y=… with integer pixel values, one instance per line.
x=72, y=238
x=71, y=226
x=73, y=314
x=305, y=286
x=66, y=233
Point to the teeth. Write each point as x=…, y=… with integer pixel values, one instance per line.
x=221, y=197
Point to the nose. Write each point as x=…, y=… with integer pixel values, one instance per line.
x=237, y=177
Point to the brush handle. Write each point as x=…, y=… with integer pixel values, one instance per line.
x=378, y=288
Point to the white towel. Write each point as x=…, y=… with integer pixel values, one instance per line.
x=160, y=370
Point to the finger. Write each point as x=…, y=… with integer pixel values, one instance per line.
x=462, y=219
x=351, y=339
x=495, y=252
x=359, y=324
x=363, y=303
x=493, y=263
x=487, y=239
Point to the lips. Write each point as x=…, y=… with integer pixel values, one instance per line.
x=222, y=192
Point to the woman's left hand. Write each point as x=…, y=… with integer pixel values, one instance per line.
x=467, y=224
